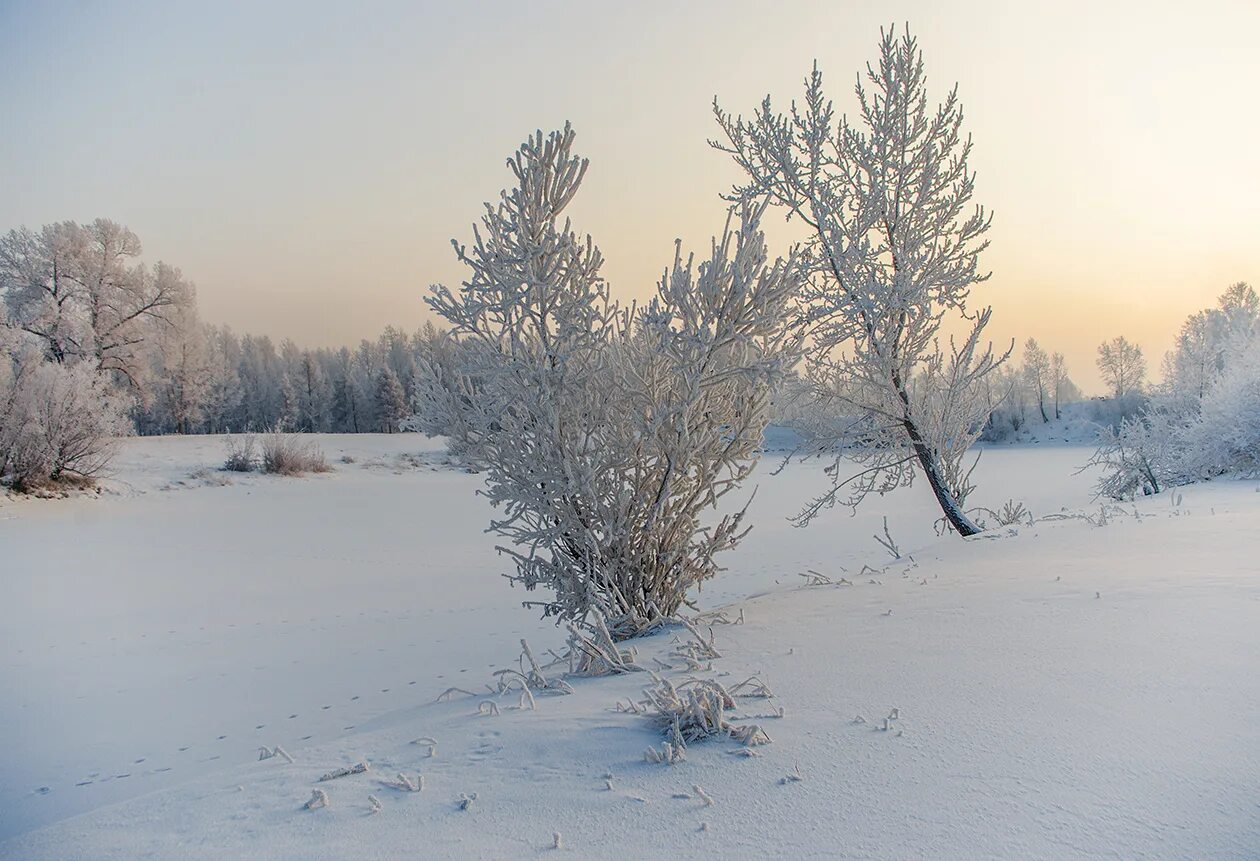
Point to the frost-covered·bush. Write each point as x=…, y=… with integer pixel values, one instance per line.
x=1224, y=436
x=57, y=421
x=606, y=433
x=1138, y=456
x=242, y=453
x=288, y=454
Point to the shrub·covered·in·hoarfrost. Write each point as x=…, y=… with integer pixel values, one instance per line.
x=57, y=421
x=607, y=433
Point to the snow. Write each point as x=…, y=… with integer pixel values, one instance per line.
x=1078, y=425
x=1064, y=689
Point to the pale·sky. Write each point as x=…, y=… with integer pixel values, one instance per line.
x=306, y=163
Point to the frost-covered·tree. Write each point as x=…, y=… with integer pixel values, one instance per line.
x=1206, y=341
x=41, y=299
x=893, y=249
x=1037, y=374
x=80, y=290
x=313, y=394
x=288, y=401
x=223, y=396
x=345, y=407
x=1223, y=435
x=1060, y=384
x=606, y=434
x=183, y=372
x=391, y=401
x=1122, y=366
x=1203, y=420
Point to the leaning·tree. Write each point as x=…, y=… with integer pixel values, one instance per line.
x=892, y=253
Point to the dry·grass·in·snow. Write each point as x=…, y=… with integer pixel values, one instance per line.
x=291, y=454
x=242, y=453
x=698, y=709
x=279, y=453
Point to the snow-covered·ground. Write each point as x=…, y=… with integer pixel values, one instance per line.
x=1070, y=688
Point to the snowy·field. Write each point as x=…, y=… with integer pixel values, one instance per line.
x=1070, y=688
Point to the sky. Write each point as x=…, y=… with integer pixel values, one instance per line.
x=307, y=164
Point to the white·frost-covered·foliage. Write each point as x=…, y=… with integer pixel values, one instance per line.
x=56, y=420
x=1137, y=456
x=77, y=290
x=1224, y=436
x=1122, y=366
x=1204, y=419
x=1035, y=388
x=607, y=433
x=78, y=314
x=893, y=250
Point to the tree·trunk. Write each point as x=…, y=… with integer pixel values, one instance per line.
x=953, y=512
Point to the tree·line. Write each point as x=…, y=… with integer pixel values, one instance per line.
x=208, y=379
x=73, y=294
x=95, y=344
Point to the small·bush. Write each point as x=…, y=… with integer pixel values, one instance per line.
x=242, y=454
x=288, y=454
x=58, y=424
